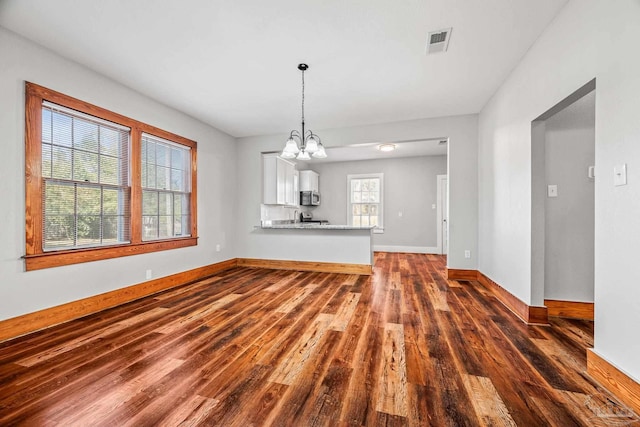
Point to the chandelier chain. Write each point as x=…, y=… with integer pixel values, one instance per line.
x=303, y=97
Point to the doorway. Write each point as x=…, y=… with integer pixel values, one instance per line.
x=442, y=201
x=563, y=206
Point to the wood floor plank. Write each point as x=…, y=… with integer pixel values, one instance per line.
x=345, y=312
x=191, y=413
x=284, y=282
x=45, y=388
x=599, y=411
x=336, y=301
x=515, y=393
x=325, y=409
x=555, y=414
x=438, y=297
x=118, y=394
x=61, y=394
x=298, y=402
x=416, y=350
x=263, y=402
x=362, y=283
x=359, y=400
x=293, y=363
x=418, y=412
x=42, y=341
x=257, y=347
x=297, y=299
x=392, y=394
x=351, y=279
x=232, y=409
x=487, y=402
x=88, y=338
x=288, y=330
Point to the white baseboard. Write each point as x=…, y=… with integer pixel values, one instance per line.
x=408, y=249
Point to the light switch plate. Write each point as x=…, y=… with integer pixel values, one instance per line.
x=620, y=174
x=552, y=190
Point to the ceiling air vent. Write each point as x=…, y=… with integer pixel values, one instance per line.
x=438, y=41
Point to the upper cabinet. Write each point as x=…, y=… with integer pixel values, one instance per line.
x=296, y=187
x=280, y=181
x=309, y=181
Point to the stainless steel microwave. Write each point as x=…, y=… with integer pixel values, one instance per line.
x=309, y=198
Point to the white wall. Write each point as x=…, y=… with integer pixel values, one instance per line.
x=569, y=218
x=462, y=158
x=23, y=292
x=410, y=187
x=589, y=38
x=314, y=245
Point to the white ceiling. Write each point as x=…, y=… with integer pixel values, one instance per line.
x=232, y=63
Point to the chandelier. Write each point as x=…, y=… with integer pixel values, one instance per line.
x=302, y=144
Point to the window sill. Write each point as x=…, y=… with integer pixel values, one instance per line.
x=77, y=256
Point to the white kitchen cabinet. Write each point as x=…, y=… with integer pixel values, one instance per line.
x=289, y=170
x=279, y=181
x=296, y=187
x=309, y=181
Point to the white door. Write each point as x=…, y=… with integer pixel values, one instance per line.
x=443, y=214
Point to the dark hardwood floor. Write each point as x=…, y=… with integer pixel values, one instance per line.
x=265, y=347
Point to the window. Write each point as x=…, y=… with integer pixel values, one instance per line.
x=85, y=177
x=100, y=185
x=165, y=188
x=365, y=200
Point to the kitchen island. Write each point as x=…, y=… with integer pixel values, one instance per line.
x=313, y=247
x=310, y=226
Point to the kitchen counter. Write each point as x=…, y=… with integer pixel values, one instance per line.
x=313, y=226
x=340, y=245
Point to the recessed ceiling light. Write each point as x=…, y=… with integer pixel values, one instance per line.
x=386, y=147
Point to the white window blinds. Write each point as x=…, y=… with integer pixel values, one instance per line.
x=166, y=189
x=85, y=172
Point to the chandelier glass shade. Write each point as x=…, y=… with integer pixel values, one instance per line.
x=303, y=145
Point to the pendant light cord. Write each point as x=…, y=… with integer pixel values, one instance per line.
x=303, y=100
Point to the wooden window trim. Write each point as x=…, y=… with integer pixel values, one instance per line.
x=35, y=257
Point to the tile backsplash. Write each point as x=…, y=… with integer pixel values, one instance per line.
x=277, y=213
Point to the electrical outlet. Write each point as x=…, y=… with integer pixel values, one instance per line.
x=400, y=213
x=467, y=254
x=149, y=274
x=218, y=247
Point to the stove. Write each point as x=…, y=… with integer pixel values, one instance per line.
x=307, y=218
x=316, y=221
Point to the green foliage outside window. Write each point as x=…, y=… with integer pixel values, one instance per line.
x=85, y=173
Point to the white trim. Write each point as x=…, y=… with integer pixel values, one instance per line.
x=408, y=249
x=440, y=212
